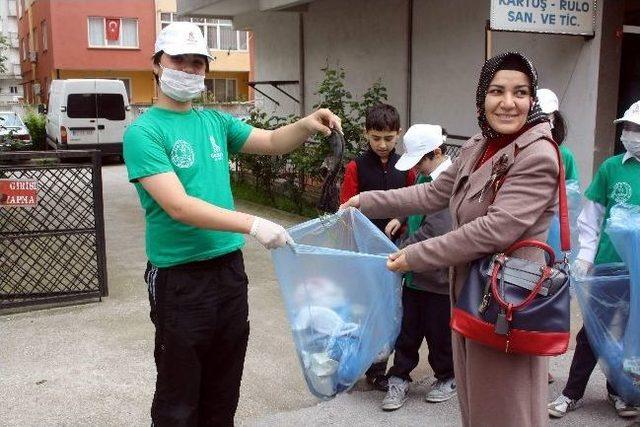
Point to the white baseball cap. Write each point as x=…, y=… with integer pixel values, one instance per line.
x=631, y=115
x=419, y=140
x=181, y=38
x=548, y=101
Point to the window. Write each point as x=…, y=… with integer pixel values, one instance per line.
x=126, y=32
x=34, y=31
x=224, y=90
x=218, y=33
x=25, y=48
x=13, y=89
x=108, y=106
x=44, y=36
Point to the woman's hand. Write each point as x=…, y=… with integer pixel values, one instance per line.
x=398, y=262
x=353, y=202
x=392, y=228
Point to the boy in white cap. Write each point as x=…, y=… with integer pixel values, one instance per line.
x=178, y=159
x=549, y=105
x=617, y=181
x=426, y=307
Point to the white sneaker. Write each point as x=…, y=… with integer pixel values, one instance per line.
x=623, y=409
x=559, y=407
x=441, y=391
x=397, y=394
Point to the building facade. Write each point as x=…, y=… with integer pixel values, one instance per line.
x=428, y=54
x=63, y=39
x=11, y=79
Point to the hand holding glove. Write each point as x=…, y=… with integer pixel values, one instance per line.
x=269, y=234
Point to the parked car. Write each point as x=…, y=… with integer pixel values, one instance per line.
x=12, y=126
x=87, y=113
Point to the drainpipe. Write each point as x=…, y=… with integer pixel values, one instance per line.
x=301, y=62
x=409, y=59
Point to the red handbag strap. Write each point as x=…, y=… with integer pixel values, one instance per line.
x=563, y=210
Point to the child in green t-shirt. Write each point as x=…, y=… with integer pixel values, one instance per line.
x=426, y=307
x=617, y=181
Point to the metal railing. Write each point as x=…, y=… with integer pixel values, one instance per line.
x=54, y=251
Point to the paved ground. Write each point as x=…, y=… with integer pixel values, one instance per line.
x=92, y=364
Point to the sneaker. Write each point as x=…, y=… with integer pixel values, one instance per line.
x=397, y=394
x=379, y=382
x=623, y=409
x=441, y=391
x=559, y=407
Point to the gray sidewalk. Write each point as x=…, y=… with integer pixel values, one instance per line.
x=93, y=364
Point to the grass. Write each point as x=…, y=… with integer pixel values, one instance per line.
x=246, y=191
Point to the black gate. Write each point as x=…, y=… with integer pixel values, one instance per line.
x=54, y=251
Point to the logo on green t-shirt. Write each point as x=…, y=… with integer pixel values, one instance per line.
x=622, y=192
x=182, y=154
x=217, y=152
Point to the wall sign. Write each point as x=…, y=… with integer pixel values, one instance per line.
x=18, y=193
x=574, y=17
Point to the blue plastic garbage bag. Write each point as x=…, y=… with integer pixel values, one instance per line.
x=574, y=204
x=604, y=300
x=343, y=304
x=623, y=227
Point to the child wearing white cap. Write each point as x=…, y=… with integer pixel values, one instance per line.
x=549, y=105
x=617, y=181
x=178, y=159
x=426, y=305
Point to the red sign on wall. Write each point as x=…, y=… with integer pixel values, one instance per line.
x=112, y=27
x=18, y=193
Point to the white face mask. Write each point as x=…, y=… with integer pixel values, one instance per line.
x=631, y=142
x=181, y=86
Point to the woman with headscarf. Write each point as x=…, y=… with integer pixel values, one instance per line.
x=502, y=188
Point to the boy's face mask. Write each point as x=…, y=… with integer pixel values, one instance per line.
x=631, y=141
x=181, y=86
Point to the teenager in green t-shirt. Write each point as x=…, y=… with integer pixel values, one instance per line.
x=617, y=181
x=178, y=159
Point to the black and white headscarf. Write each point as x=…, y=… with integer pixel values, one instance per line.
x=507, y=61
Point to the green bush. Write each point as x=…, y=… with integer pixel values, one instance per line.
x=305, y=164
x=36, y=123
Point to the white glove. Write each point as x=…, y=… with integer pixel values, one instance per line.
x=580, y=267
x=269, y=234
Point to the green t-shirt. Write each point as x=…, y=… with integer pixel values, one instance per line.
x=195, y=145
x=414, y=222
x=570, y=167
x=615, y=182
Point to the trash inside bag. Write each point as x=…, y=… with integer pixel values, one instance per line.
x=623, y=227
x=574, y=204
x=343, y=304
x=604, y=300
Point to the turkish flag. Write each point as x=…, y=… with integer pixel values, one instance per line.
x=112, y=27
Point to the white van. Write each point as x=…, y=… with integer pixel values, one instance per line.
x=87, y=113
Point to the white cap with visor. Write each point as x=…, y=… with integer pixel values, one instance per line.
x=182, y=38
x=419, y=140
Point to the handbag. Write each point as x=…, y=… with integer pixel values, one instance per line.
x=516, y=305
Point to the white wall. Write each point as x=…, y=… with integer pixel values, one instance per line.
x=448, y=51
x=276, y=37
x=367, y=37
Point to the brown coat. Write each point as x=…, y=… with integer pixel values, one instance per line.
x=493, y=388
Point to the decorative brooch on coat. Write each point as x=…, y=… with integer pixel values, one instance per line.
x=499, y=170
